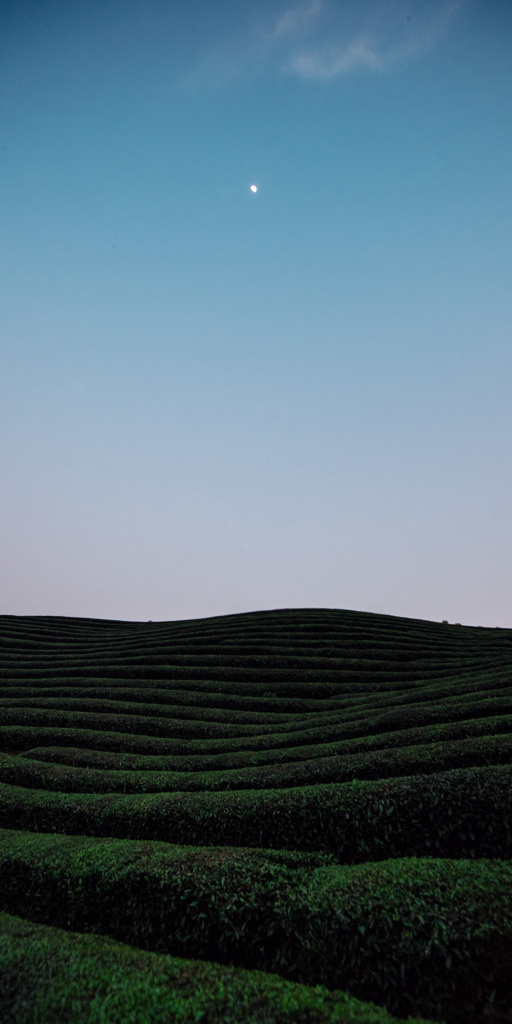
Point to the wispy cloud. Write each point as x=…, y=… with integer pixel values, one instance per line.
x=328, y=39
x=296, y=20
x=356, y=55
x=390, y=35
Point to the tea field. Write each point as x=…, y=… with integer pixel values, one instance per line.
x=300, y=815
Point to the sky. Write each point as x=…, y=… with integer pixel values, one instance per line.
x=214, y=400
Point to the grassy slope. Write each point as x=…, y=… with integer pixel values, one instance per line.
x=355, y=737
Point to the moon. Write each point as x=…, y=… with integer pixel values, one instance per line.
x=254, y=188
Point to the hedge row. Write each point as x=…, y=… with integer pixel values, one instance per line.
x=428, y=757
x=417, y=936
x=48, y=975
x=24, y=735
x=141, y=724
x=310, y=697
x=460, y=813
x=344, y=632
x=365, y=718
x=204, y=762
x=398, y=641
x=200, y=694
x=105, y=705
x=267, y=711
x=294, y=666
x=299, y=681
x=341, y=635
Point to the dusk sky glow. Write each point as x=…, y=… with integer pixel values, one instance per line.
x=215, y=400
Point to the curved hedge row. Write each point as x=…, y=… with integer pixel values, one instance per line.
x=461, y=813
x=90, y=979
x=313, y=921
x=380, y=764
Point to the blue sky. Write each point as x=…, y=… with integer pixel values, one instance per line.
x=213, y=400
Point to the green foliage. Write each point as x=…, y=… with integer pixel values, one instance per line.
x=401, y=932
x=459, y=813
x=386, y=763
x=336, y=786
x=48, y=976
x=276, y=751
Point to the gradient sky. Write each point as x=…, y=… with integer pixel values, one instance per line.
x=214, y=401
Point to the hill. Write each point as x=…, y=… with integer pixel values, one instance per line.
x=247, y=807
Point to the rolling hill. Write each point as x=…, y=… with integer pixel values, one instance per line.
x=297, y=815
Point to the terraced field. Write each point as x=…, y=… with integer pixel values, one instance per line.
x=297, y=815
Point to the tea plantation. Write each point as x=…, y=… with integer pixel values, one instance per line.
x=286, y=816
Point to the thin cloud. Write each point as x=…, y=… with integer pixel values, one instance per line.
x=354, y=56
x=296, y=20
x=394, y=35
x=325, y=39
x=257, y=42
